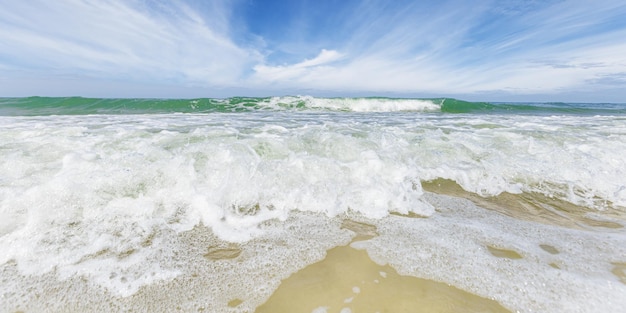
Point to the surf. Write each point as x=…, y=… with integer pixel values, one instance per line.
x=142, y=198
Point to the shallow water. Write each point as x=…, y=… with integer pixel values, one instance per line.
x=348, y=280
x=461, y=256
x=214, y=211
x=536, y=207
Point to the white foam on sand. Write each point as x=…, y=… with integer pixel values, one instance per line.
x=102, y=202
x=573, y=274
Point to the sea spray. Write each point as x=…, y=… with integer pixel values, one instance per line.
x=103, y=188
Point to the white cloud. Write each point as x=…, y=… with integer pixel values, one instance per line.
x=264, y=73
x=325, y=56
x=415, y=49
x=122, y=40
x=421, y=54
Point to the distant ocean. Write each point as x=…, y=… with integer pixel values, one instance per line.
x=209, y=204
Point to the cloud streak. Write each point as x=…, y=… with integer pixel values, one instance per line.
x=361, y=47
x=285, y=73
x=509, y=60
x=119, y=40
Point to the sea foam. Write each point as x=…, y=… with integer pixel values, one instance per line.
x=353, y=104
x=98, y=194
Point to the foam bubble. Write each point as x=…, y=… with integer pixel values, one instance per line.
x=321, y=309
x=354, y=104
x=178, y=274
x=89, y=189
x=525, y=266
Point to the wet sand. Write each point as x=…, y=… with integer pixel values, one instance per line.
x=401, y=263
x=535, y=207
x=347, y=280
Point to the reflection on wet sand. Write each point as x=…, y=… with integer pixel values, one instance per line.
x=347, y=280
x=534, y=207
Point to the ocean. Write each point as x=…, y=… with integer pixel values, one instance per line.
x=305, y=204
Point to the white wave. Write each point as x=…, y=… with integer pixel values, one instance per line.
x=354, y=104
x=554, y=266
x=99, y=188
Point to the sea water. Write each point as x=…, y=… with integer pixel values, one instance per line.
x=213, y=204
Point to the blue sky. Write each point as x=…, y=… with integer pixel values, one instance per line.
x=484, y=50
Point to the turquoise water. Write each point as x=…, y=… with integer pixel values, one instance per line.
x=81, y=106
x=103, y=192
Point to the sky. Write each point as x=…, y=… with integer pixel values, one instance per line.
x=489, y=50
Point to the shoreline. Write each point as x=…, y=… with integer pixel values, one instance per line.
x=469, y=253
x=536, y=207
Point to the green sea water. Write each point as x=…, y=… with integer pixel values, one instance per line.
x=161, y=205
x=36, y=106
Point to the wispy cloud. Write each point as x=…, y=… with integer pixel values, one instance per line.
x=441, y=49
x=265, y=73
x=405, y=47
x=120, y=40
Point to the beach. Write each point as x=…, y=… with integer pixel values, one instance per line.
x=304, y=204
